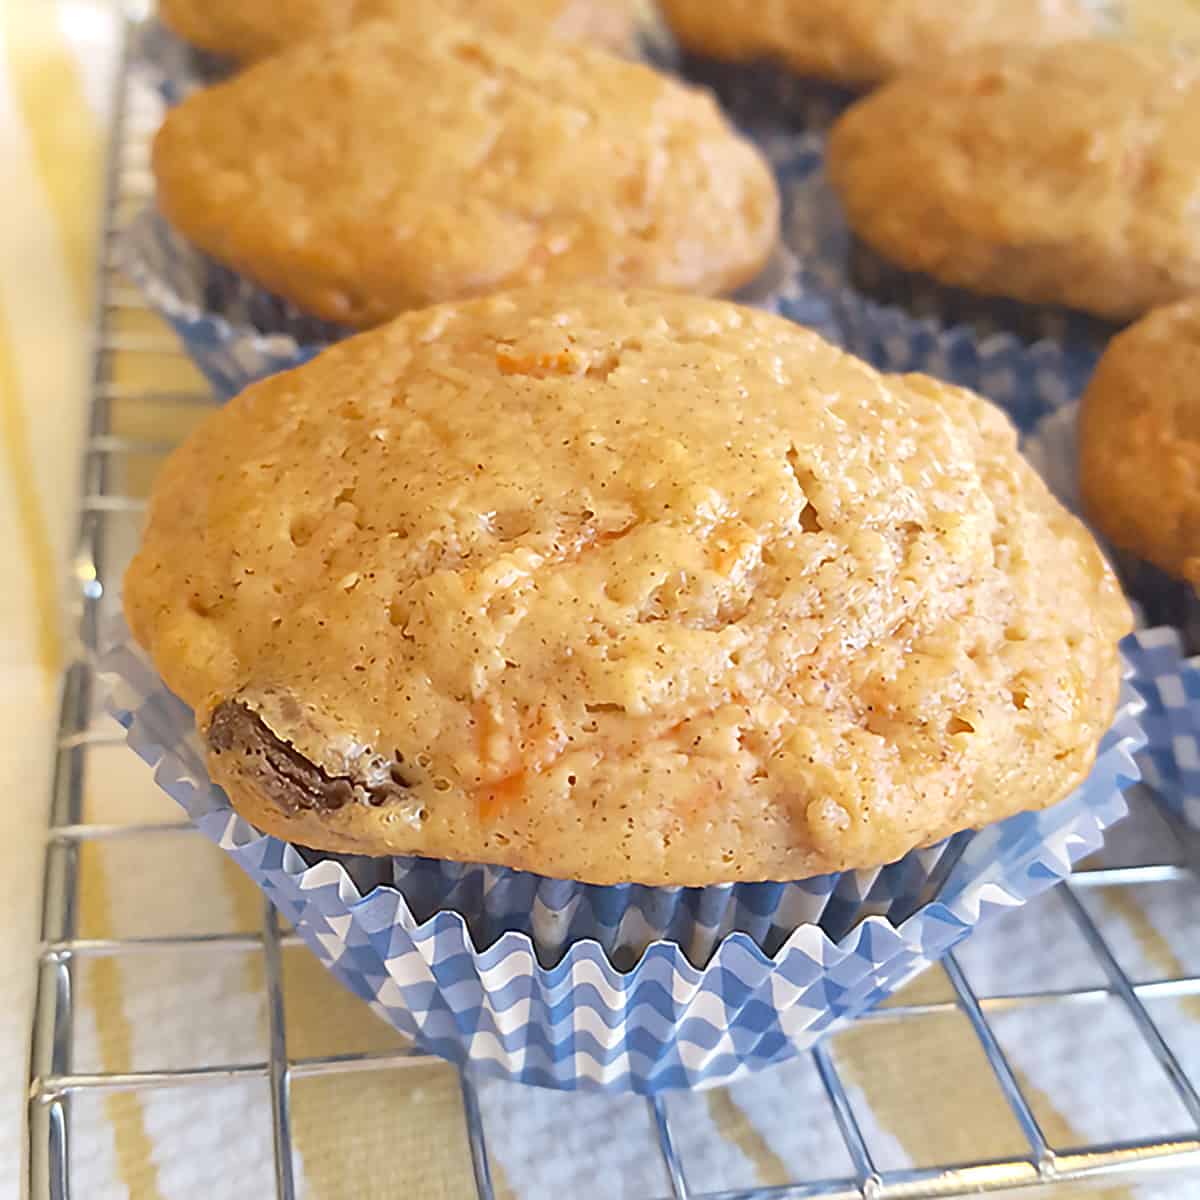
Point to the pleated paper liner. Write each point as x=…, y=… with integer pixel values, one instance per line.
x=1171, y=684
x=234, y=331
x=764, y=97
x=172, y=67
x=1171, y=762
x=764, y=94
x=237, y=333
x=554, y=983
x=1053, y=448
x=924, y=298
x=1164, y=600
x=1029, y=360
x=566, y=985
x=1028, y=378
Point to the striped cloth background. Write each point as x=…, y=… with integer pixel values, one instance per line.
x=369, y=1135
x=51, y=122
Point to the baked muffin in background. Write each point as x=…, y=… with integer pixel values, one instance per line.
x=248, y=30
x=1064, y=175
x=1139, y=447
x=623, y=587
x=401, y=165
x=863, y=42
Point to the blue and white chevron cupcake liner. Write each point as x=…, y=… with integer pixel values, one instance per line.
x=1053, y=448
x=1171, y=760
x=1171, y=684
x=569, y=986
x=171, y=67
x=238, y=333
x=233, y=330
x=1027, y=379
x=764, y=96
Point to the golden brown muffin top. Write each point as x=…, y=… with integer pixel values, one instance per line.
x=1140, y=440
x=865, y=41
x=252, y=29
x=623, y=587
x=398, y=166
x=1064, y=175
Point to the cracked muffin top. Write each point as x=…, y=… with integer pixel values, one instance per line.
x=403, y=165
x=623, y=587
x=252, y=29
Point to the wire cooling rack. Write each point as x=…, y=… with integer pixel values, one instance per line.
x=133, y=418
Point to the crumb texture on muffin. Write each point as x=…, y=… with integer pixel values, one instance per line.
x=623, y=587
x=1063, y=175
x=398, y=166
x=254, y=29
x=865, y=41
x=1139, y=441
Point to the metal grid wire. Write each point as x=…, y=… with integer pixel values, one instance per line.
x=56, y=1086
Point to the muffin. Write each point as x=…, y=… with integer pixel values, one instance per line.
x=254, y=29
x=623, y=587
x=395, y=167
x=861, y=42
x=1139, y=455
x=1063, y=175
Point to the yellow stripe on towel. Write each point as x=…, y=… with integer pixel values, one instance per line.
x=31, y=521
x=66, y=147
x=64, y=135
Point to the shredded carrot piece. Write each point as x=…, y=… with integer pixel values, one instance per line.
x=558, y=362
x=497, y=798
x=543, y=741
